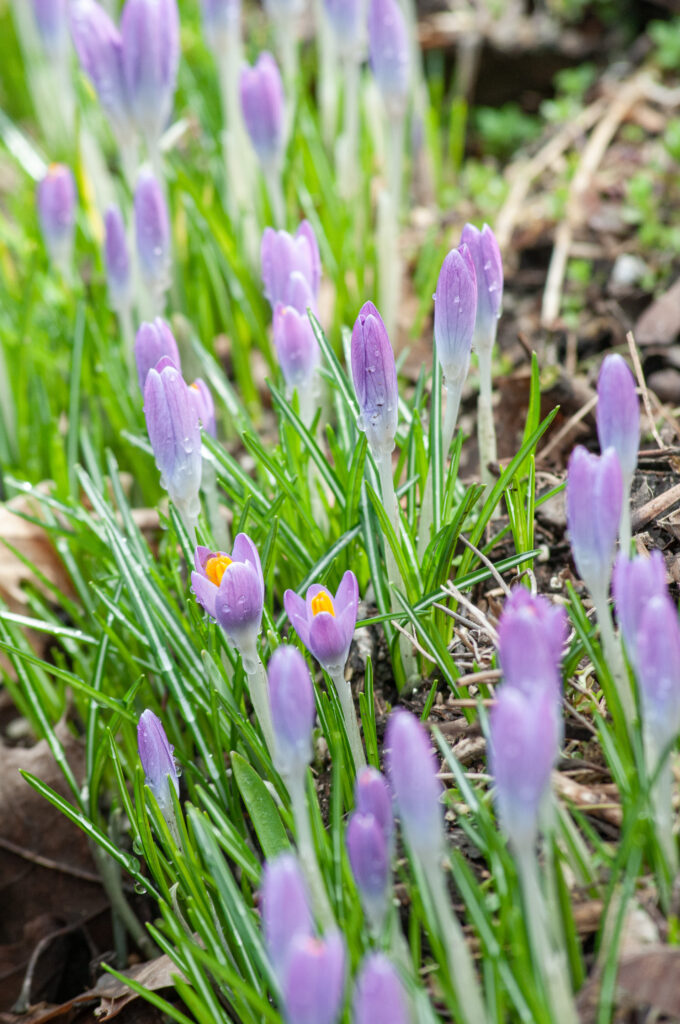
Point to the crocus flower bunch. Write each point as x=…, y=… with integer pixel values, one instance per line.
x=152, y=234
x=388, y=44
x=370, y=837
x=57, y=214
x=618, y=427
x=379, y=995
x=155, y=753
x=117, y=260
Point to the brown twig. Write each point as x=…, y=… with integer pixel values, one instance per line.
x=637, y=365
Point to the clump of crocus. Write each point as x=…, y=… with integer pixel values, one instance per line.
x=175, y=437
x=412, y=775
x=310, y=969
x=325, y=625
x=154, y=341
x=150, y=52
x=379, y=995
x=201, y=395
x=298, y=353
x=531, y=637
x=51, y=19
x=372, y=796
x=368, y=854
x=635, y=581
x=282, y=255
x=618, y=427
x=219, y=16
x=57, y=214
x=388, y=44
x=230, y=587
x=486, y=257
x=99, y=46
x=262, y=106
x=160, y=770
x=594, y=499
x=152, y=234
x=117, y=260
x=346, y=20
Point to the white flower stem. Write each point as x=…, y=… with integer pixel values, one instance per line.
x=306, y=851
x=453, y=395
x=661, y=798
x=625, y=526
x=344, y=692
x=486, y=432
x=613, y=654
x=258, y=687
x=459, y=960
x=272, y=175
x=389, y=208
x=551, y=961
x=327, y=62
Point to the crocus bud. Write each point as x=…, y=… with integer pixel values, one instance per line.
x=634, y=583
x=314, y=980
x=524, y=737
x=285, y=908
x=261, y=91
x=486, y=257
x=299, y=294
x=51, y=22
x=658, y=670
x=150, y=36
x=324, y=623
x=281, y=255
x=531, y=635
x=231, y=589
x=347, y=21
x=98, y=44
x=220, y=17
x=57, y=213
x=455, y=310
x=296, y=347
x=117, y=260
x=375, y=379
x=368, y=852
x=618, y=413
x=152, y=232
x=201, y=396
x=175, y=436
x=379, y=996
x=154, y=341
x=412, y=774
x=372, y=796
x=594, y=496
x=291, y=697
x=155, y=753
x=388, y=45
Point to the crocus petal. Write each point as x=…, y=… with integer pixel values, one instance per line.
x=245, y=551
x=296, y=610
x=328, y=641
x=205, y=592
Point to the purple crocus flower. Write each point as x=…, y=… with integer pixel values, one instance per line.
x=314, y=980
x=291, y=698
x=455, y=310
x=379, y=996
x=296, y=346
x=634, y=583
x=51, y=22
x=347, y=20
x=231, y=589
x=281, y=255
x=618, y=413
x=219, y=17
x=152, y=232
x=594, y=497
x=150, y=37
x=155, y=753
x=658, y=670
x=286, y=913
x=261, y=91
x=486, y=257
x=524, y=738
x=531, y=635
x=175, y=436
x=299, y=294
x=117, y=260
x=369, y=858
x=154, y=342
x=375, y=379
x=57, y=212
x=388, y=45
x=412, y=774
x=99, y=46
x=201, y=396
x=324, y=623
x=372, y=796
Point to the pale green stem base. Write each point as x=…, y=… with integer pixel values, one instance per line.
x=389, y=208
x=110, y=876
x=459, y=960
x=551, y=962
x=272, y=175
x=625, y=526
x=306, y=851
x=454, y=391
x=344, y=692
x=662, y=801
x=128, y=335
x=258, y=687
x=327, y=64
x=486, y=431
x=613, y=654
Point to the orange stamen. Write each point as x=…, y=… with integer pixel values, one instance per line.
x=322, y=603
x=215, y=568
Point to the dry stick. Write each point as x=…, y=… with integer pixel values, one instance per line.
x=593, y=153
x=632, y=347
x=567, y=427
x=661, y=503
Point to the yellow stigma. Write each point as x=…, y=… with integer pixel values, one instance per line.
x=322, y=603
x=215, y=568
x=194, y=386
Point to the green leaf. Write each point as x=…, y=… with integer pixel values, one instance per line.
x=261, y=808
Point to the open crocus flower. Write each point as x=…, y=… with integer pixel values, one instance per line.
x=231, y=590
x=324, y=623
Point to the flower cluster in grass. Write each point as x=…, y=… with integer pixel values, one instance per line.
x=317, y=540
